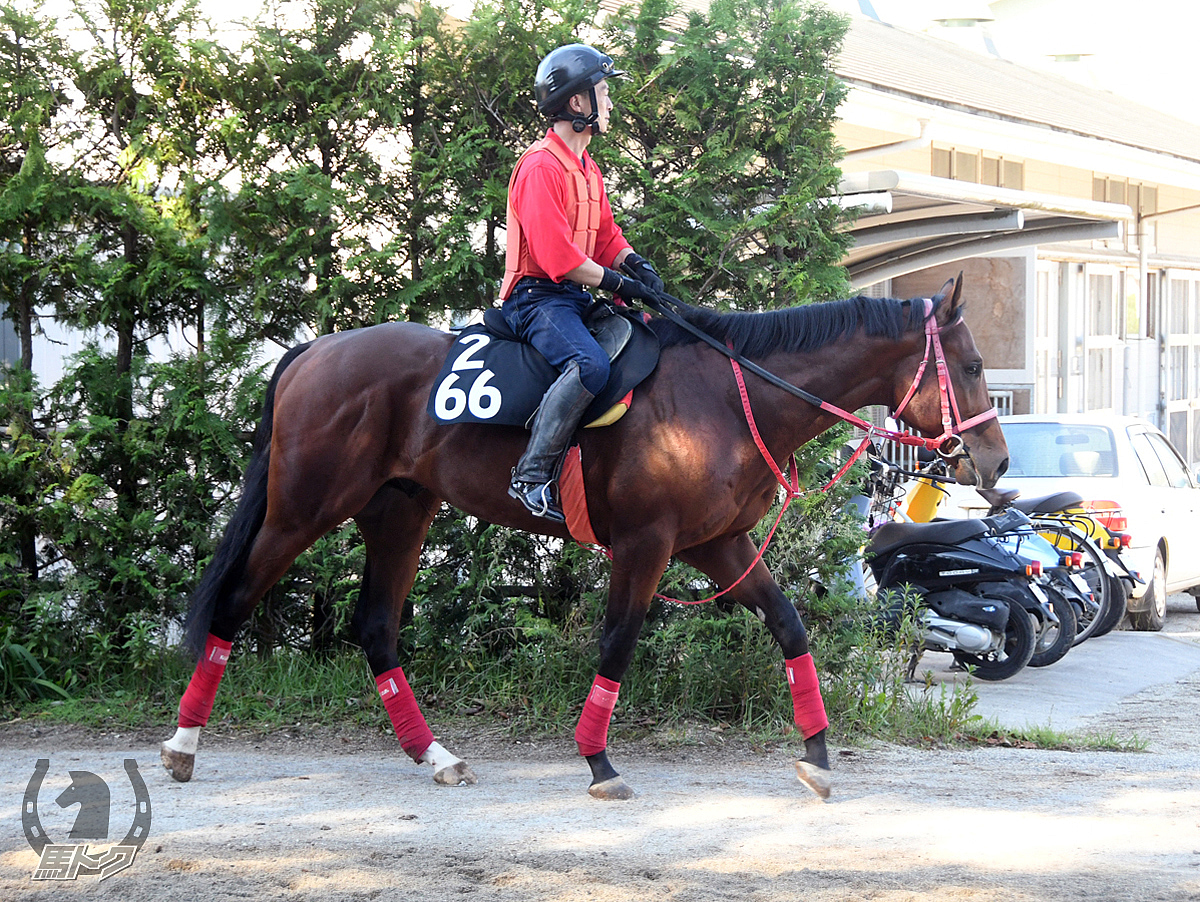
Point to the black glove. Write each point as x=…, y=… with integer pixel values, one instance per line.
x=626, y=287
x=643, y=270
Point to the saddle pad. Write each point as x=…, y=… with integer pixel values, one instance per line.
x=490, y=379
x=574, y=498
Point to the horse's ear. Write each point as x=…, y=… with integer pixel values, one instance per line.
x=952, y=291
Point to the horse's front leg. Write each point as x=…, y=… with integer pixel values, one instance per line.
x=637, y=568
x=725, y=560
x=394, y=525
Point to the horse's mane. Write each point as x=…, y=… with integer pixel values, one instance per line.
x=804, y=328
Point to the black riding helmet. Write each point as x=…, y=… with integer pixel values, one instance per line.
x=565, y=72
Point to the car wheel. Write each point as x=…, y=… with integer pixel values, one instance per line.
x=1155, y=615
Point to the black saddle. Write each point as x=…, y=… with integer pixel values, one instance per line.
x=491, y=376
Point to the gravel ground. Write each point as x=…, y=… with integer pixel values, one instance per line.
x=347, y=817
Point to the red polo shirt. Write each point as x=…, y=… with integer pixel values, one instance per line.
x=538, y=196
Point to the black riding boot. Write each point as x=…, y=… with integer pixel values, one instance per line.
x=554, y=423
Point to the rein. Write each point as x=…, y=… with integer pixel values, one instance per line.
x=952, y=423
x=665, y=305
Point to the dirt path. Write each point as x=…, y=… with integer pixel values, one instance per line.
x=347, y=818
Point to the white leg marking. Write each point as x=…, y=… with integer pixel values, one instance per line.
x=448, y=769
x=439, y=757
x=185, y=740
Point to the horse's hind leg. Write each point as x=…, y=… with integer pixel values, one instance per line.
x=394, y=524
x=273, y=551
x=725, y=560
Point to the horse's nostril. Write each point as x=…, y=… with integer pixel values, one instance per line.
x=1002, y=469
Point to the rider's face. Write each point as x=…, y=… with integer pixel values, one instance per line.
x=603, y=102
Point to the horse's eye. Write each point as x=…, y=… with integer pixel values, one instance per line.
x=974, y=369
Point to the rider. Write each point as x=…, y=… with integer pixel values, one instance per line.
x=561, y=241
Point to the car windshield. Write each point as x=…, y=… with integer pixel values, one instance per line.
x=1059, y=449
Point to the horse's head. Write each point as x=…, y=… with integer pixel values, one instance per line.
x=942, y=404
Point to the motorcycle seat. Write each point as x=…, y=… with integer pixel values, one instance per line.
x=943, y=532
x=1049, y=504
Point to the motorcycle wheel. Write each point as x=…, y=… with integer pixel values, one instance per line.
x=1106, y=591
x=1019, y=639
x=1119, y=594
x=1055, y=639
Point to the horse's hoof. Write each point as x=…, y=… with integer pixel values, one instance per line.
x=613, y=789
x=456, y=775
x=178, y=764
x=818, y=779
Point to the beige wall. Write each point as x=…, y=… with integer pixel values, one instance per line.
x=995, y=295
x=1178, y=233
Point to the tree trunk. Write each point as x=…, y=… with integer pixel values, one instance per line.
x=23, y=416
x=123, y=390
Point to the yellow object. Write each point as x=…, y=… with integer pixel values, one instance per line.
x=923, y=501
x=610, y=416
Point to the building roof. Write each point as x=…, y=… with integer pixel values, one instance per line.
x=910, y=221
x=894, y=60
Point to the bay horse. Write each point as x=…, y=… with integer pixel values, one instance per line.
x=345, y=434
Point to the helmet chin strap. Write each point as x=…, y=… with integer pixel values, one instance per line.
x=581, y=122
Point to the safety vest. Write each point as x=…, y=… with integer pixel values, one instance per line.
x=583, y=214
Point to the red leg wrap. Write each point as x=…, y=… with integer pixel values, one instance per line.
x=806, y=695
x=197, y=702
x=408, y=722
x=592, y=733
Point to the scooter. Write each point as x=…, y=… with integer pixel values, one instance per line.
x=967, y=591
x=1087, y=570
x=1063, y=519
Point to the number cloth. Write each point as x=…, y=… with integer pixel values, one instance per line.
x=488, y=379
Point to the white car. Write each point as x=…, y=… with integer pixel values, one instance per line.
x=1115, y=462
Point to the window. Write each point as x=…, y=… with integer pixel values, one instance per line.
x=1100, y=379
x=1057, y=449
x=1178, y=318
x=1176, y=472
x=1151, y=464
x=1101, y=348
x=966, y=166
x=1100, y=304
x=1177, y=371
x=1182, y=328
x=1177, y=422
x=977, y=166
x=1142, y=198
x=1153, y=281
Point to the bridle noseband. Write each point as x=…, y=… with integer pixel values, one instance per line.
x=949, y=444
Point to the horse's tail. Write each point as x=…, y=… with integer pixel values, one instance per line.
x=228, y=565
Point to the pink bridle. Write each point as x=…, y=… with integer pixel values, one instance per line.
x=952, y=421
x=953, y=425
